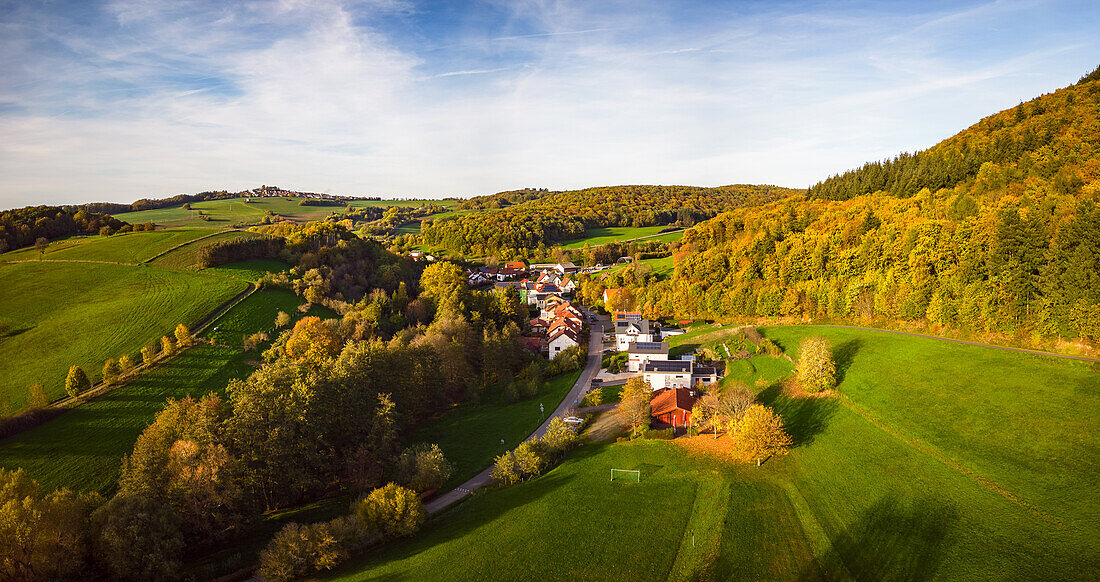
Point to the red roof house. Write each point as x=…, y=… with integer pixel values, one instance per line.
x=673, y=406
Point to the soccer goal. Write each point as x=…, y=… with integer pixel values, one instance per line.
x=626, y=475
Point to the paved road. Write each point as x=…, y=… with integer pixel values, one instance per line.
x=571, y=400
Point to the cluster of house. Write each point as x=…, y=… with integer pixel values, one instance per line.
x=558, y=326
x=674, y=381
x=546, y=288
x=539, y=285
x=421, y=256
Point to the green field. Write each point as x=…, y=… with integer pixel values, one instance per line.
x=599, y=236
x=470, y=435
x=186, y=256
x=225, y=213
x=133, y=247
x=62, y=314
x=940, y=461
x=250, y=271
x=663, y=266
x=81, y=448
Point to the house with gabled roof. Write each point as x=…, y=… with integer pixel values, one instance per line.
x=627, y=332
x=560, y=339
x=673, y=407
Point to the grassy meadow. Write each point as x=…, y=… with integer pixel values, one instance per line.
x=130, y=247
x=470, y=435
x=225, y=213
x=61, y=314
x=186, y=256
x=81, y=448
x=937, y=461
x=604, y=235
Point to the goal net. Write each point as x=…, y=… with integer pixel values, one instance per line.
x=632, y=475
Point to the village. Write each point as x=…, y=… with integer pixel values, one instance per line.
x=676, y=381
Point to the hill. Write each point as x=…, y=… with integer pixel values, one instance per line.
x=523, y=224
x=1011, y=251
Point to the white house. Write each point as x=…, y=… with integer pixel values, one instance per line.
x=707, y=375
x=628, y=332
x=560, y=340
x=640, y=353
x=660, y=374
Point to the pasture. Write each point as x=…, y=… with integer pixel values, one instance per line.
x=63, y=314
x=937, y=460
x=82, y=447
x=131, y=247
x=186, y=256
x=230, y=211
x=599, y=236
x=470, y=435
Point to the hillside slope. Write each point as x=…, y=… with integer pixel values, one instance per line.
x=515, y=224
x=1013, y=249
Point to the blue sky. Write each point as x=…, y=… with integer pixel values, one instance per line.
x=127, y=99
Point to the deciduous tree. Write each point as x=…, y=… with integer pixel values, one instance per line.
x=634, y=405
x=759, y=433
x=183, y=336
x=77, y=381
x=110, y=371
x=394, y=510
x=816, y=369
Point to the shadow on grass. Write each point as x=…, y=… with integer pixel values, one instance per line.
x=683, y=349
x=894, y=539
x=804, y=418
x=843, y=356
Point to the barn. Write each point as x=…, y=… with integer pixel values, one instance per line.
x=672, y=406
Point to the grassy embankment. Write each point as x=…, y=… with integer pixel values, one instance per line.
x=81, y=448
x=937, y=460
x=133, y=247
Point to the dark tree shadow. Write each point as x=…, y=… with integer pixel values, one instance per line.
x=15, y=332
x=648, y=469
x=894, y=539
x=805, y=418
x=843, y=355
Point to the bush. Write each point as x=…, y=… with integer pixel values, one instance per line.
x=300, y=550
x=77, y=381
x=559, y=436
x=138, y=538
x=423, y=467
x=504, y=469
x=593, y=398
x=662, y=434
x=767, y=346
x=110, y=371
x=167, y=346
x=393, y=510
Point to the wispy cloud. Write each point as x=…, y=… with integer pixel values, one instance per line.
x=131, y=99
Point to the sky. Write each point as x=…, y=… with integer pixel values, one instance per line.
x=115, y=101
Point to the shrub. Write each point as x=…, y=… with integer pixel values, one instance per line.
x=559, y=436
x=110, y=371
x=394, y=510
x=282, y=319
x=816, y=369
x=593, y=398
x=125, y=364
x=662, y=434
x=77, y=381
x=167, y=346
x=504, y=469
x=183, y=336
x=423, y=467
x=148, y=353
x=299, y=550
x=36, y=397
x=767, y=346
x=531, y=458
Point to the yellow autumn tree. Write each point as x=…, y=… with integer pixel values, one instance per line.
x=816, y=369
x=759, y=433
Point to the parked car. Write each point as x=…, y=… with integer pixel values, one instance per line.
x=573, y=420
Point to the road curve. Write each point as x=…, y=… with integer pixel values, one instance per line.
x=571, y=400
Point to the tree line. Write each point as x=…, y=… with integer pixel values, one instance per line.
x=22, y=227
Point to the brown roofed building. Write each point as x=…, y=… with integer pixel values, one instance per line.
x=673, y=406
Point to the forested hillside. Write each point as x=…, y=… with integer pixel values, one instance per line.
x=21, y=227
x=1012, y=249
x=523, y=223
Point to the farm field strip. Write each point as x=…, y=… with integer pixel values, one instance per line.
x=125, y=248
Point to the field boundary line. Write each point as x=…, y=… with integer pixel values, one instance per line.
x=230, y=304
x=950, y=463
x=165, y=252
x=72, y=261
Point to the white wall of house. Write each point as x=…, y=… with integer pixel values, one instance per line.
x=623, y=340
x=659, y=380
x=559, y=345
x=635, y=362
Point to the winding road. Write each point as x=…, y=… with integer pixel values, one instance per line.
x=595, y=354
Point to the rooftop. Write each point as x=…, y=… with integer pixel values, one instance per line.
x=647, y=347
x=668, y=367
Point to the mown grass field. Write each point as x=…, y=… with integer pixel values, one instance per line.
x=938, y=461
x=61, y=314
x=470, y=435
x=663, y=266
x=81, y=448
x=252, y=270
x=599, y=236
x=132, y=247
x=186, y=256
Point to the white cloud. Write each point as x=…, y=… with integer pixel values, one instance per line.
x=321, y=96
